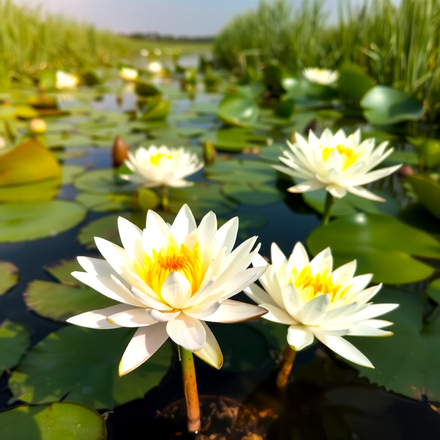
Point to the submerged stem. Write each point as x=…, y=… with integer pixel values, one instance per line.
x=165, y=200
x=327, y=208
x=285, y=367
x=190, y=390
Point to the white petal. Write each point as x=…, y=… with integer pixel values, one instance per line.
x=278, y=315
x=162, y=316
x=314, y=310
x=156, y=234
x=210, y=352
x=308, y=185
x=116, y=256
x=235, y=311
x=372, y=311
x=336, y=191
x=201, y=311
x=257, y=294
x=131, y=238
x=343, y=274
x=98, y=318
x=277, y=256
x=298, y=259
x=134, y=317
x=146, y=300
x=176, y=290
x=292, y=299
x=299, y=337
x=183, y=224
x=362, y=192
x=344, y=349
x=366, y=330
x=226, y=235
x=187, y=332
x=145, y=342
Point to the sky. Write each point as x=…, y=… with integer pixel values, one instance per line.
x=177, y=17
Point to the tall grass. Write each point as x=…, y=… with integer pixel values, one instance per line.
x=31, y=41
x=395, y=45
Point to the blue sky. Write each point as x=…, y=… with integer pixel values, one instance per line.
x=178, y=17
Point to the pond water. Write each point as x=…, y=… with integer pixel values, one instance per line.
x=326, y=399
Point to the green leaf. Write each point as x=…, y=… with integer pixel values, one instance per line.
x=144, y=88
x=105, y=202
x=239, y=110
x=427, y=190
x=67, y=421
x=62, y=301
x=407, y=362
x=32, y=220
x=428, y=151
x=253, y=194
x=384, y=106
x=285, y=108
x=353, y=83
x=48, y=80
x=233, y=139
x=14, y=341
x=433, y=291
x=69, y=172
x=240, y=171
x=104, y=182
x=306, y=93
x=156, y=110
x=8, y=276
x=375, y=241
x=83, y=363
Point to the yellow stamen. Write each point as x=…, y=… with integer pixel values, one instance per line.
x=310, y=286
x=156, y=269
x=348, y=155
x=155, y=158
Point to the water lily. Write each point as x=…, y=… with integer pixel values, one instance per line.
x=316, y=301
x=157, y=166
x=169, y=280
x=128, y=73
x=66, y=80
x=338, y=163
x=320, y=76
x=154, y=67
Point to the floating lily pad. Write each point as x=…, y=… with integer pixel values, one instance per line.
x=234, y=139
x=433, y=290
x=65, y=140
x=83, y=363
x=427, y=190
x=156, y=110
x=32, y=220
x=351, y=204
x=62, y=301
x=14, y=341
x=41, y=190
x=253, y=194
x=385, y=105
x=382, y=245
x=402, y=157
x=104, y=182
x=407, y=362
x=61, y=420
x=240, y=110
x=69, y=172
x=428, y=151
x=8, y=276
x=105, y=202
x=353, y=83
x=145, y=88
x=251, y=171
x=306, y=93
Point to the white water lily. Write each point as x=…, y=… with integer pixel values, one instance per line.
x=315, y=301
x=128, y=73
x=170, y=279
x=338, y=163
x=66, y=80
x=162, y=166
x=320, y=76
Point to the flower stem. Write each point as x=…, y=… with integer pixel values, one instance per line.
x=165, y=200
x=285, y=367
x=190, y=390
x=327, y=208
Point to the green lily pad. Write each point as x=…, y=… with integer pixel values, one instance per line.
x=353, y=83
x=145, y=88
x=285, y=108
x=407, y=362
x=41, y=190
x=104, y=182
x=253, y=194
x=61, y=420
x=351, y=204
x=239, y=110
x=272, y=153
x=62, y=301
x=427, y=190
x=384, y=106
x=69, y=172
x=32, y=220
x=156, y=110
x=83, y=363
x=428, y=151
x=306, y=93
x=375, y=241
x=404, y=157
x=105, y=202
x=433, y=291
x=205, y=107
x=65, y=140
x=251, y=171
x=14, y=341
x=234, y=139
x=8, y=276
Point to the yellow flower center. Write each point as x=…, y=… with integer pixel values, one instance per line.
x=155, y=158
x=348, y=155
x=155, y=270
x=310, y=286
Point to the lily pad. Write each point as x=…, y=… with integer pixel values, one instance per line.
x=433, y=290
x=407, y=362
x=60, y=301
x=353, y=83
x=69, y=172
x=251, y=194
x=376, y=242
x=427, y=190
x=239, y=110
x=83, y=363
x=306, y=93
x=251, y=171
x=32, y=220
x=385, y=105
x=30, y=192
x=8, y=276
x=61, y=420
x=14, y=341
x=105, y=202
x=104, y=182
x=234, y=139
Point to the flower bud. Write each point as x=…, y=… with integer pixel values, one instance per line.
x=37, y=126
x=120, y=152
